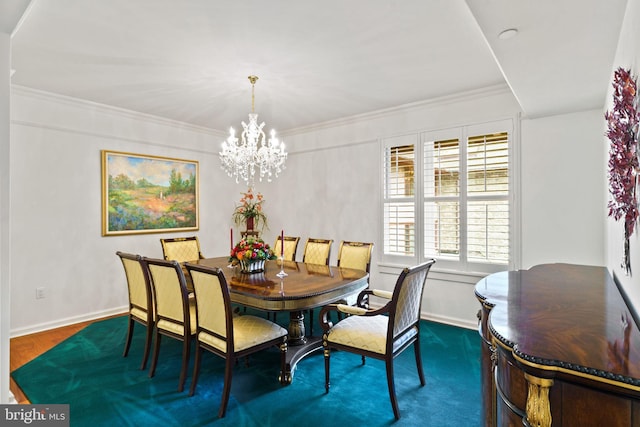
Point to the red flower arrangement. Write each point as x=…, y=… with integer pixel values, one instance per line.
x=624, y=165
x=251, y=249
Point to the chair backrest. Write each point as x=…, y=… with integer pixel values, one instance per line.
x=407, y=299
x=317, y=251
x=290, y=247
x=181, y=249
x=170, y=291
x=355, y=255
x=215, y=314
x=138, y=283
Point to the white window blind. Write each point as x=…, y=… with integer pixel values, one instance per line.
x=399, y=202
x=447, y=196
x=442, y=197
x=488, y=198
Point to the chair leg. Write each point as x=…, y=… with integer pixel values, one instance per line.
x=392, y=387
x=127, y=343
x=228, y=374
x=416, y=347
x=283, y=363
x=327, y=357
x=154, y=359
x=147, y=346
x=196, y=370
x=186, y=352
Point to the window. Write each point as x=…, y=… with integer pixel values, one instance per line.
x=447, y=196
x=399, y=206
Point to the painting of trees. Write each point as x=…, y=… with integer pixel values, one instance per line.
x=144, y=194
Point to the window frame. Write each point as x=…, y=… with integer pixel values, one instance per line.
x=462, y=133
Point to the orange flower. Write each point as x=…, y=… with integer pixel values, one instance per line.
x=250, y=208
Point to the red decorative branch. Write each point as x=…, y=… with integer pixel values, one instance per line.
x=623, y=165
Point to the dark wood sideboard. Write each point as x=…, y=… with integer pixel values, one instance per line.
x=560, y=347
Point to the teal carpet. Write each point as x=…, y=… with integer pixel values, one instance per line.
x=88, y=372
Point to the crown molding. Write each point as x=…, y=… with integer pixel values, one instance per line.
x=447, y=99
x=109, y=109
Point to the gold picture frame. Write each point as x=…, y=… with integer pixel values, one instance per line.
x=148, y=194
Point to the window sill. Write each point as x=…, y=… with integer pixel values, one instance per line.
x=447, y=275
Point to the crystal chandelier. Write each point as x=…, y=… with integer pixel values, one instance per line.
x=240, y=159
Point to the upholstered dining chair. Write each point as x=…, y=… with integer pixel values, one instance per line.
x=140, y=301
x=175, y=310
x=355, y=255
x=316, y=251
x=225, y=335
x=290, y=247
x=181, y=249
x=382, y=333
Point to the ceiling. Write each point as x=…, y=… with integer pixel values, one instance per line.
x=316, y=62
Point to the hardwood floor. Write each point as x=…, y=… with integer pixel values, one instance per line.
x=26, y=348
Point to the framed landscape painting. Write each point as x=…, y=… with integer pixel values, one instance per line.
x=148, y=194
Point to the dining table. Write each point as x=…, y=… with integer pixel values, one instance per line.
x=304, y=287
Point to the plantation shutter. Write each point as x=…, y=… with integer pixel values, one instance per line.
x=442, y=198
x=399, y=200
x=488, y=198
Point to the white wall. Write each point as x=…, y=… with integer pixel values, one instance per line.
x=563, y=204
x=5, y=265
x=627, y=56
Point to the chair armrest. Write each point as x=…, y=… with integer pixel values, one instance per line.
x=359, y=311
x=326, y=324
x=382, y=294
x=363, y=297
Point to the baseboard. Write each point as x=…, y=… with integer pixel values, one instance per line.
x=450, y=321
x=66, y=322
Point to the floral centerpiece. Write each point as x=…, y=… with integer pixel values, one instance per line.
x=250, y=211
x=251, y=254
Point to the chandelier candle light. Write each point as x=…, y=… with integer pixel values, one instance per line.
x=240, y=158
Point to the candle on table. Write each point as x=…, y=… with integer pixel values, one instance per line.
x=282, y=244
x=231, y=235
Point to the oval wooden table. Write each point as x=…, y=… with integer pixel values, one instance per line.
x=305, y=287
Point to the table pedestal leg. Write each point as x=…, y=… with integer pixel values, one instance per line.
x=299, y=345
x=296, y=328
